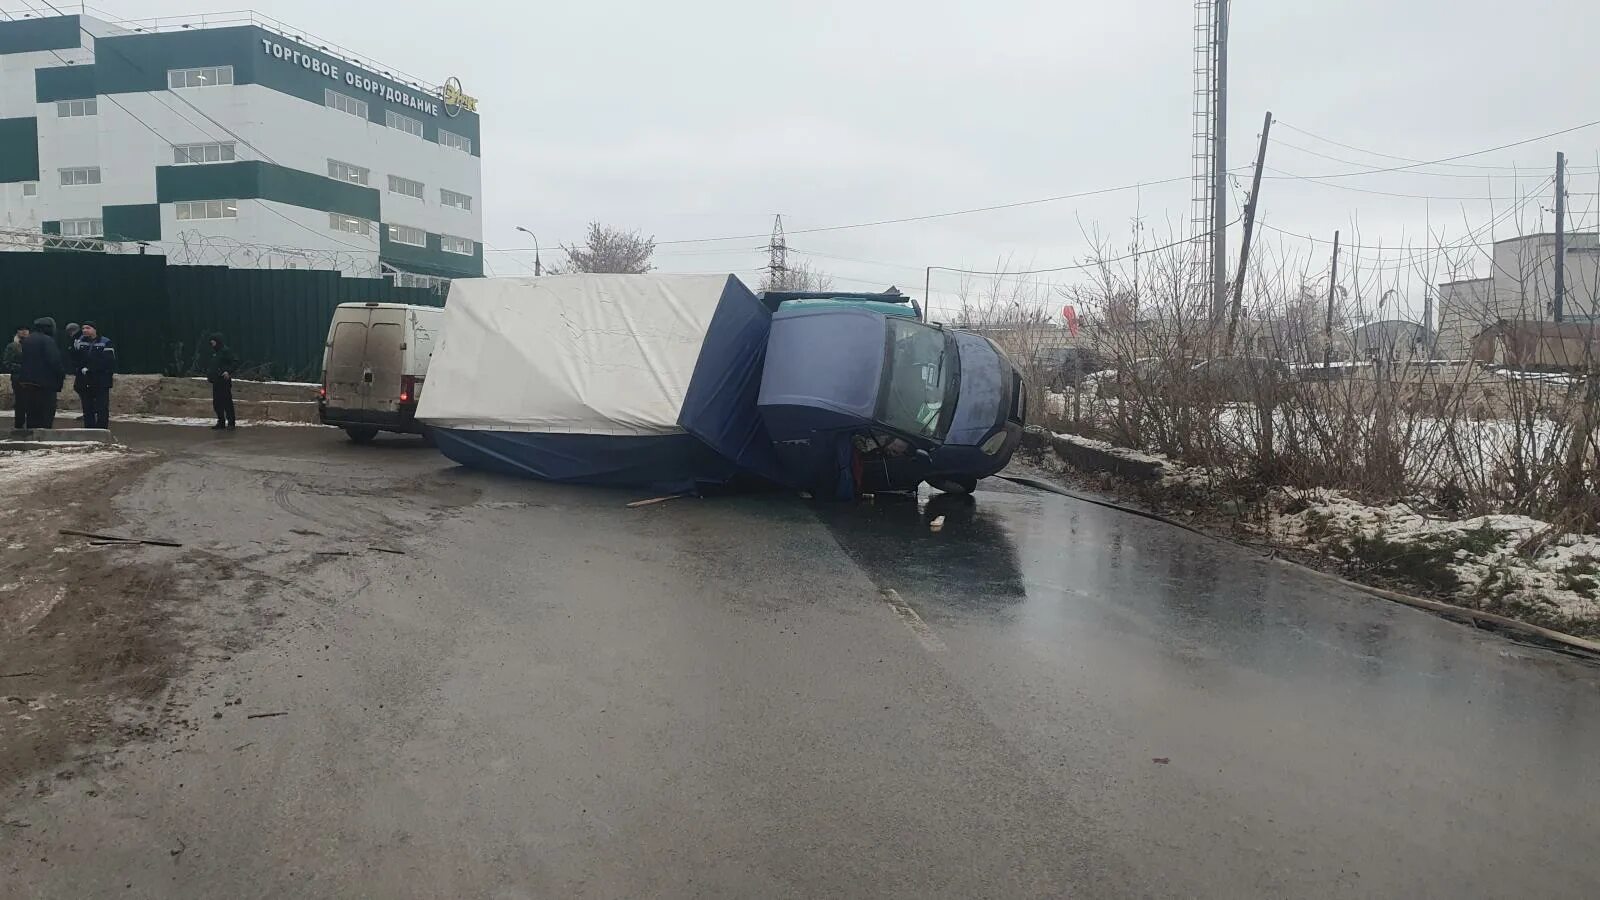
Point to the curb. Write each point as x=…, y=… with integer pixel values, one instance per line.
x=1091, y=459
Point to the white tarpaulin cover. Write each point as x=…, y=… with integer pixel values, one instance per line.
x=574, y=354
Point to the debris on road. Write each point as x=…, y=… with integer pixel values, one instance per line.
x=1161, y=760
x=118, y=539
x=266, y=715
x=654, y=500
x=388, y=550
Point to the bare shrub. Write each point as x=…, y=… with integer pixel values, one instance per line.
x=1323, y=385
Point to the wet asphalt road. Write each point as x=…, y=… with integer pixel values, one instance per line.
x=553, y=695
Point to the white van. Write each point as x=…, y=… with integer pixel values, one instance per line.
x=374, y=366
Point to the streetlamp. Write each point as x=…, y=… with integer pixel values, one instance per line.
x=537, y=268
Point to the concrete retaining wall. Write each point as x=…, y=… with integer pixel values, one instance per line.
x=158, y=395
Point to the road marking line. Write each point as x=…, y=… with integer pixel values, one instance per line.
x=930, y=641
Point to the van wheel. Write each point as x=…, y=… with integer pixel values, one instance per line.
x=952, y=484
x=361, y=435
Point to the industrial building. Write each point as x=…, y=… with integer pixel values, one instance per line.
x=1520, y=287
x=238, y=142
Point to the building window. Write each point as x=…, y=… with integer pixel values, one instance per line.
x=455, y=141
x=191, y=154
x=72, y=109
x=451, y=244
x=349, y=224
x=81, y=175
x=81, y=228
x=398, y=185
x=210, y=76
x=402, y=123
x=343, y=171
x=405, y=234
x=30, y=189
x=344, y=104
x=429, y=282
x=451, y=198
x=207, y=209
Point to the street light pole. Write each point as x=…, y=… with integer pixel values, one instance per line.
x=537, y=268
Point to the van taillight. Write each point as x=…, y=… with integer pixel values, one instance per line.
x=408, y=388
x=322, y=392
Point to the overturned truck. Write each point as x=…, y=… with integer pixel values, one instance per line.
x=688, y=382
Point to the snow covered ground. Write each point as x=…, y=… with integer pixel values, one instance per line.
x=70, y=420
x=1503, y=562
x=18, y=470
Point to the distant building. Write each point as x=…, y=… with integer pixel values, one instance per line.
x=1520, y=287
x=236, y=141
x=1392, y=339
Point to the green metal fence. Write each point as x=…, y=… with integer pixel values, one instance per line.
x=160, y=315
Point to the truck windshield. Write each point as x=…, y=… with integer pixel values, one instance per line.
x=921, y=372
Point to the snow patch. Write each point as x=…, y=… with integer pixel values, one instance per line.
x=20, y=470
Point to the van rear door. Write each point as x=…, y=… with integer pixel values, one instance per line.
x=385, y=362
x=347, y=354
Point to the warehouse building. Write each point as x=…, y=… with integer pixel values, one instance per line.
x=1520, y=287
x=239, y=143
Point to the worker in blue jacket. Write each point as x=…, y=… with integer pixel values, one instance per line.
x=95, y=361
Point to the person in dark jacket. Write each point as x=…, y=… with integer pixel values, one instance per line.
x=73, y=330
x=11, y=364
x=95, y=362
x=40, y=375
x=220, y=373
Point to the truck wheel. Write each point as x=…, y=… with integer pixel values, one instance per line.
x=953, y=484
x=361, y=435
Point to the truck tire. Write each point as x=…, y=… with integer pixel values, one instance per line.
x=953, y=484
x=361, y=434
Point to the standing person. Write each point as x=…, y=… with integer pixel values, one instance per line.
x=12, y=364
x=73, y=330
x=40, y=375
x=220, y=373
x=95, y=360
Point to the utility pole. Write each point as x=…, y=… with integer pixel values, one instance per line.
x=1561, y=234
x=777, y=256
x=1249, y=229
x=1219, y=173
x=1333, y=285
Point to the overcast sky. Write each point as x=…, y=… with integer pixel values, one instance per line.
x=703, y=118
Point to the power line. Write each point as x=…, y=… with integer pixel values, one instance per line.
x=1529, y=173
x=1421, y=252
x=1399, y=158
x=929, y=216
x=1447, y=159
x=1319, y=180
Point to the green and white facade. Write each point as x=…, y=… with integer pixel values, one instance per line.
x=236, y=145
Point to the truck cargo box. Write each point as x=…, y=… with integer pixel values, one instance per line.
x=644, y=380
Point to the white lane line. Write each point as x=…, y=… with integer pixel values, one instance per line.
x=925, y=636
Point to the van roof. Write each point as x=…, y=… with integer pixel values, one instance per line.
x=376, y=305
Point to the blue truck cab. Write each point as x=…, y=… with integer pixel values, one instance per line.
x=859, y=395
